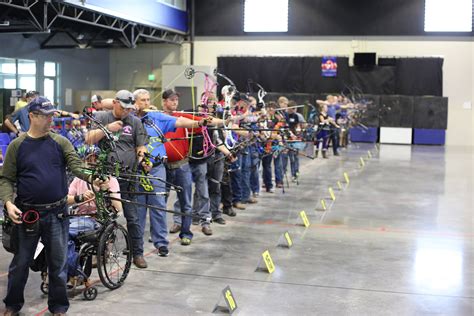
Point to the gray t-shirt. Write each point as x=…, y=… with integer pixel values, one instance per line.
x=131, y=136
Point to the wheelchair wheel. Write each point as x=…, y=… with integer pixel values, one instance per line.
x=114, y=256
x=85, y=258
x=90, y=293
x=44, y=287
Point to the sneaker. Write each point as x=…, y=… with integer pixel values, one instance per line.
x=279, y=185
x=316, y=154
x=175, y=228
x=270, y=190
x=195, y=221
x=325, y=156
x=219, y=220
x=139, y=262
x=185, y=241
x=239, y=206
x=229, y=211
x=207, y=230
x=336, y=154
x=251, y=200
x=255, y=194
x=151, y=240
x=294, y=179
x=163, y=251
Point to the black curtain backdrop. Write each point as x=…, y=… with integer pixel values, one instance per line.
x=396, y=111
x=409, y=76
x=375, y=80
x=370, y=117
x=419, y=76
x=284, y=74
x=430, y=113
x=314, y=82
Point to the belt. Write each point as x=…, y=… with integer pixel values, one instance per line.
x=48, y=206
x=177, y=164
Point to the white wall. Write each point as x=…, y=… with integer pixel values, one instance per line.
x=129, y=68
x=458, y=69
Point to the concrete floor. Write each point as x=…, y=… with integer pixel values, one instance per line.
x=397, y=241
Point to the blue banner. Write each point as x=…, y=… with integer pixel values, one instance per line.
x=329, y=67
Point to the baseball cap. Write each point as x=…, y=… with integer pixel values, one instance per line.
x=32, y=94
x=241, y=97
x=169, y=93
x=96, y=98
x=126, y=98
x=41, y=104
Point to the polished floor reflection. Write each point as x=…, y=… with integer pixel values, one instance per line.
x=398, y=240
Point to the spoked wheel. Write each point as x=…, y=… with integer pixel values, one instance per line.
x=90, y=293
x=114, y=256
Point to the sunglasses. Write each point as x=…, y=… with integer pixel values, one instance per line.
x=130, y=100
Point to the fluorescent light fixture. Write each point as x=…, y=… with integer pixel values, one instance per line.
x=448, y=16
x=266, y=16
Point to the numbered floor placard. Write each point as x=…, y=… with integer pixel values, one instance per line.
x=323, y=204
x=268, y=263
x=285, y=240
x=230, y=302
x=304, y=218
x=346, y=177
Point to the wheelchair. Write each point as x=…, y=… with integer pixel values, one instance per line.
x=105, y=241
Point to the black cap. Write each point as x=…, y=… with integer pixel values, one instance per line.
x=169, y=93
x=32, y=94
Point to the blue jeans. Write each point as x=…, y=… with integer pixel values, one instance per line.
x=294, y=162
x=335, y=138
x=245, y=182
x=182, y=177
x=278, y=168
x=267, y=171
x=236, y=179
x=323, y=136
x=254, y=169
x=284, y=162
x=54, y=236
x=215, y=172
x=131, y=215
x=201, y=199
x=158, y=228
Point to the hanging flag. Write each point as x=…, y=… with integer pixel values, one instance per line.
x=329, y=67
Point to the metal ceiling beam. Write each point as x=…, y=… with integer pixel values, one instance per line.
x=130, y=31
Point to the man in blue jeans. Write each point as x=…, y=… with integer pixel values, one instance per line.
x=36, y=163
x=157, y=124
x=131, y=142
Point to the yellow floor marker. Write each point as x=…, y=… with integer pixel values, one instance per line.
x=285, y=240
x=362, y=162
x=339, y=185
x=269, y=266
x=323, y=204
x=346, y=177
x=304, y=218
x=231, y=304
x=331, y=193
x=369, y=154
